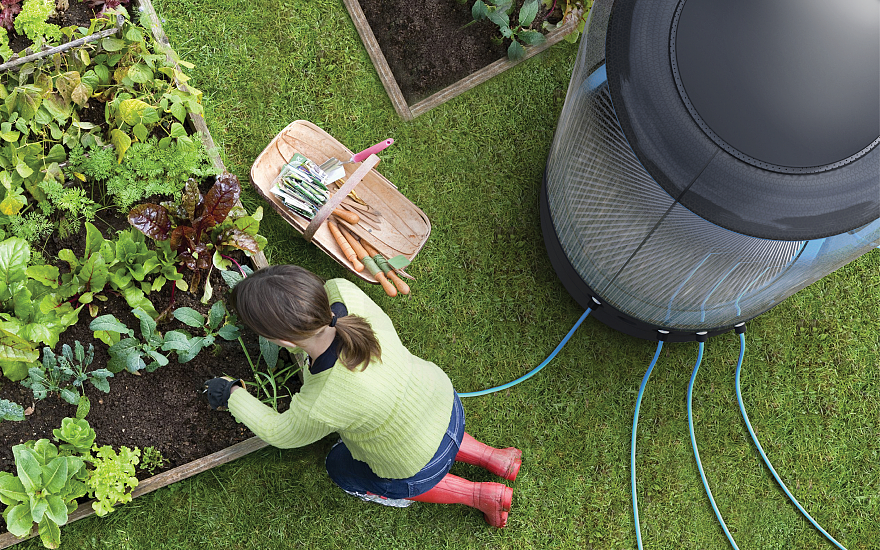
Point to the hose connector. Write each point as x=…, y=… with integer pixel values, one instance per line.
x=596, y=302
x=662, y=335
x=740, y=328
x=702, y=336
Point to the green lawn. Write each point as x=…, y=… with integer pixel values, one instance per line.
x=487, y=307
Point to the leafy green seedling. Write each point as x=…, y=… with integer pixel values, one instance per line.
x=499, y=13
x=66, y=374
x=151, y=460
x=77, y=435
x=187, y=346
x=270, y=381
x=43, y=493
x=112, y=479
x=130, y=353
x=10, y=410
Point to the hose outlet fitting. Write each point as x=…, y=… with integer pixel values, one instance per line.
x=662, y=335
x=702, y=336
x=740, y=328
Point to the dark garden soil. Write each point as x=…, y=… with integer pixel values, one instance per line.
x=428, y=45
x=163, y=409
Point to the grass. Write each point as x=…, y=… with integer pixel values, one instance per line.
x=487, y=307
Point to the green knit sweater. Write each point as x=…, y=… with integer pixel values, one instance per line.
x=391, y=415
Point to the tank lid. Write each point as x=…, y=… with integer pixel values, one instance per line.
x=787, y=85
x=762, y=117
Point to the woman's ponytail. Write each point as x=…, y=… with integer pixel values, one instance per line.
x=357, y=342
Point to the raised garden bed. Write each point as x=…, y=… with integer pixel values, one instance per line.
x=160, y=409
x=427, y=53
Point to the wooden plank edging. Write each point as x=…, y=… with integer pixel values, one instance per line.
x=158, y=481
x=409, y=112
x=378, y=58
x=494, y=69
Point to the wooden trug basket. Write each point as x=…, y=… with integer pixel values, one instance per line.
x=403, y=228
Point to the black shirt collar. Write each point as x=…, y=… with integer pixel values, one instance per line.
x=327, y=359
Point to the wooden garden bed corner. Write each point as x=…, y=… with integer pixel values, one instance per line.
x=409, y=112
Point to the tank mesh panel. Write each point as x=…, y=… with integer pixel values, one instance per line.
x=650, y=257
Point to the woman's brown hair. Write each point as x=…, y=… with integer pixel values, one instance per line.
x=288, y=302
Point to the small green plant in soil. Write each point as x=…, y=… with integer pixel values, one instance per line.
x=10, y=410
x=66, y=374
x=129, y=353
x=77, y=436
x=151, y=460
x=113, y=477
x=150, y=168
x=269, y=382
x=187, y=346
x=44, y=492
x=499, y=12
x=31, y=22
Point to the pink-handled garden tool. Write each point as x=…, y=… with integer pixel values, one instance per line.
x=334, y=168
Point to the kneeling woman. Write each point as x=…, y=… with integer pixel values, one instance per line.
x=400, y=422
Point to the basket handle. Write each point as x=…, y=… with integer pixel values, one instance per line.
x=337, y=197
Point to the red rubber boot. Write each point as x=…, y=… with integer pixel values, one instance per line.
x=493, y=499
x=502, y=462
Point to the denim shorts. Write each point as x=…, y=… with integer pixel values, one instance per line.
x=355, y=476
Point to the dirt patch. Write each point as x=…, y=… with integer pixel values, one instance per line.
x=432, y=44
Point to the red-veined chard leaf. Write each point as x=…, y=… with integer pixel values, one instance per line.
x=152, y=220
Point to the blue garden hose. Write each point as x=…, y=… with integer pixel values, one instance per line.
x=742, y=409
x=632, y=452
x=536, y=369
x=697, y=452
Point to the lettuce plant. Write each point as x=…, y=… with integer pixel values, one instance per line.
x=105, y=262
x=77, y=435
x=10, y=8
x=43, y=493
x=31, y=22
x=197, y=226
x=30, y=311
x=112, y=479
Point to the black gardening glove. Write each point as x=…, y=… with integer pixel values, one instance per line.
x=217, y=391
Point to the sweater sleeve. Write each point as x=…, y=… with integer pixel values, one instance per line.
x=292, y=428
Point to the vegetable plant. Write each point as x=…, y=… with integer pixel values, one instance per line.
x=31, y=22
x=270, y=381
x=43, y=493
x=112, y=479
x=77, y=435
x=187, y=346
x=104, y=262
x=130, y=353
x=30, y=311
x=151, y=460
x=198, y=226
x=499, y=11
x=66, y=374
x=10, y=8
x=10, y=410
